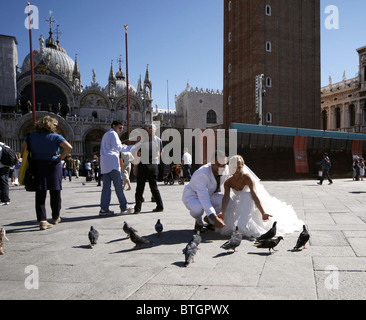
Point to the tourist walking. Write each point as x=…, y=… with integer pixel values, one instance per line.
x=70, y=166
x=187, y=164
x=326, y=165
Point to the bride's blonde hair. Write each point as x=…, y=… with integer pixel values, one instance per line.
x=233, y=163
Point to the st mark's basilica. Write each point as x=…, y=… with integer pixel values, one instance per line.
x=84, y=113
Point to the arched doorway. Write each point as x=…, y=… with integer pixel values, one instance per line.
x=92, y=142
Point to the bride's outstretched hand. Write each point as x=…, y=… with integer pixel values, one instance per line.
x=266, y=217
x=218, y=222
x=221, y=216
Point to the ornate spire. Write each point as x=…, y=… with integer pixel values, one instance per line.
x=111, y=77
x=147, y=77
x=76, y=71
x=139, y=85
x=147, y=83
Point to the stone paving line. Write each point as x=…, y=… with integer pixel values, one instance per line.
x=58, y=264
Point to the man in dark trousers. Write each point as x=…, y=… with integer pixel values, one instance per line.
x=151, y=149
x=4, y=180
x=326, y=165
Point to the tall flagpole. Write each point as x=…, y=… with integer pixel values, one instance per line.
x=128, y=86
x=32, y=67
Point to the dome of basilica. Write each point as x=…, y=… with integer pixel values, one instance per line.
x=54, y=57
x=121, y=85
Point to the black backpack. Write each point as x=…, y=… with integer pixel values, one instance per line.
x=9, y=156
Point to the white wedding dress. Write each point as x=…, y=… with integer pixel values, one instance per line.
x=242, y=212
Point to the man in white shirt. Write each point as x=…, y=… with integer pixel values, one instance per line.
x=202, y=194
x=187, y=164
x=110, y=150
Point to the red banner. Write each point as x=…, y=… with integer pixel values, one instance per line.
x=357, y=148
x=300, y=154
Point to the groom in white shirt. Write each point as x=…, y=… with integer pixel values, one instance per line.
x=110, y=150
x=202, y=194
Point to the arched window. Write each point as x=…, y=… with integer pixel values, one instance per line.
x=338, y=117
x=269, y=82
x=324, y=120
x=268, y=46
x=211, y=117
x=268, y=117
x=268, y=10
x=352, y=115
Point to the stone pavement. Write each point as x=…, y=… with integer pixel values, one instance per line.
x=333, y=266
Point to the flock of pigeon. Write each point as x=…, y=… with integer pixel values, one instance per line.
x=265, y=241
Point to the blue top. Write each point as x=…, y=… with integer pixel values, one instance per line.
x=45, y=146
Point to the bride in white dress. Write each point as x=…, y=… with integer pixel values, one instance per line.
x=252, y=208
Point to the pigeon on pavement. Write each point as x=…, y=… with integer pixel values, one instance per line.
x=93, y=236
x=137, y=240
x=159, y=227
x=128, y=229
x=303, y=239
x=190, y=251
x=234, y=241
x=270, y=234
x=269, y=244
x=197, y=238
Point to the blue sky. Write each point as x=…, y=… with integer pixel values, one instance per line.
x=180, y=40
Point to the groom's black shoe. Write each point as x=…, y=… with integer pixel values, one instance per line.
x=197, y=227
x=209, y=226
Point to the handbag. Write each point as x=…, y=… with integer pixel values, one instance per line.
x=23, y=167
x=30, y=180
x=26, y=172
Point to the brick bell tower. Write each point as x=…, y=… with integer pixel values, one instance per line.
x=279, y=39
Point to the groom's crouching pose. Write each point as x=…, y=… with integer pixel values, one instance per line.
x=202, y=194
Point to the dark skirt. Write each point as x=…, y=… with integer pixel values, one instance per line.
x=48, y=175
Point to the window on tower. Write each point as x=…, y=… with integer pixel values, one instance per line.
x=268, y=10
x=268, y=46
x=269, y=82
x=268, y=117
